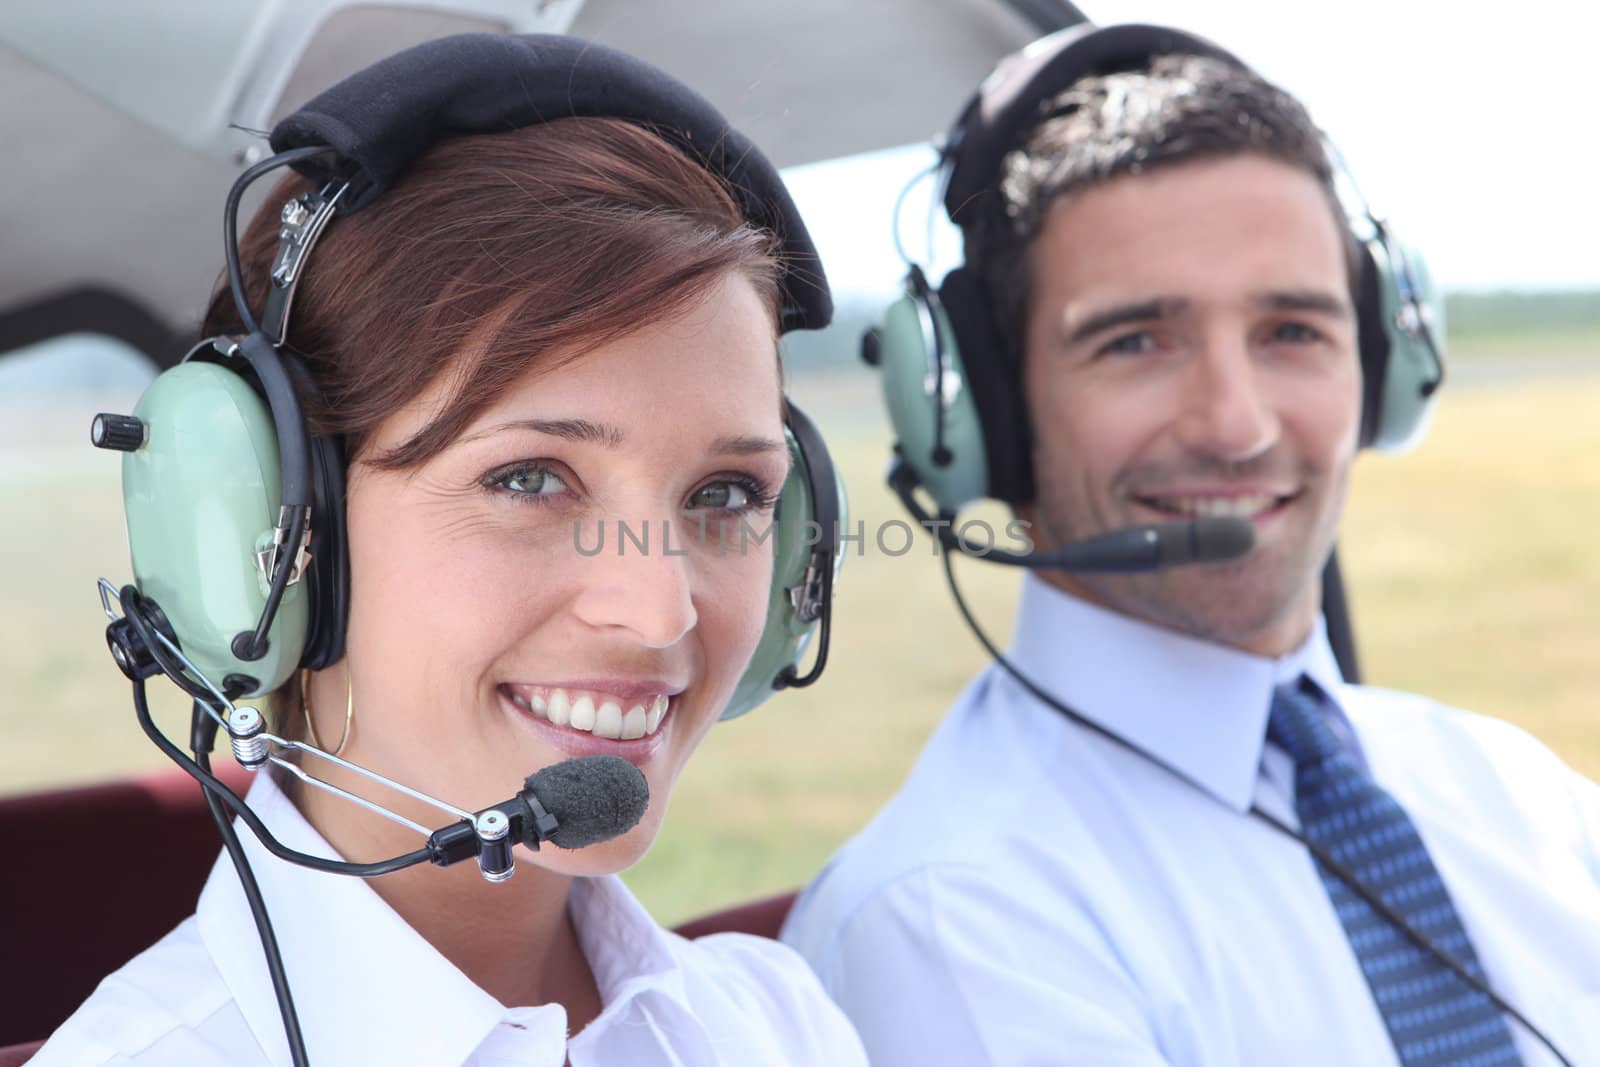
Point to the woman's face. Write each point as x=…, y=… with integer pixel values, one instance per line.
x=488, y=638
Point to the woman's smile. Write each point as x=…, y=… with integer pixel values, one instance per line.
x=592, y=718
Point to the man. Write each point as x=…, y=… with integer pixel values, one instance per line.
x=1173, y=284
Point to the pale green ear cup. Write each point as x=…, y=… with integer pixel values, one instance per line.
x=199, y=496
x=1405, y=412
x=783, y=637
x=906, y=367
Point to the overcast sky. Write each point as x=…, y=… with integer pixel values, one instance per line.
x=1478, y=138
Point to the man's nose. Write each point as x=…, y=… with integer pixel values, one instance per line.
x=641, y=582
x=1227, y=413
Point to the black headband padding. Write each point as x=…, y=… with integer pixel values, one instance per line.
x=1006, y=106
x=382, y=118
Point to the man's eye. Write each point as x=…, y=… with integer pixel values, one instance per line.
x=1131, y=344
x=1295, y=333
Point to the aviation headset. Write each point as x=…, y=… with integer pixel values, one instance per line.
x=954, y=392
x=235, y=511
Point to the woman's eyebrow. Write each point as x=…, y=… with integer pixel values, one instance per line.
x=585, y=431
x=580, y=430
x=746, y=445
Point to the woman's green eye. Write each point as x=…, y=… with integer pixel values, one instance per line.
x=530, y=481
x=720, y=496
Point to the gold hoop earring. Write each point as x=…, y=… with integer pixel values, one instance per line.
x=311, y=723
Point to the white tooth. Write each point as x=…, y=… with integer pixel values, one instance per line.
x=633, y=723
x=608, y=720
x=560, y=709
x=536, y=702
x=583, y=714
x=652, y=718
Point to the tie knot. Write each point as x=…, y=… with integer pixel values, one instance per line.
x=1298, y=724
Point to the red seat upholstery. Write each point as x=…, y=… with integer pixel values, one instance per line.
x=16, y=1055
x=762, y=917
x=93, y=876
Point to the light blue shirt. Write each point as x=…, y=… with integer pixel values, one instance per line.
x=1036, y=894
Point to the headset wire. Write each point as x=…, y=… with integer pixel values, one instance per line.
x=203, y=732
x=222, y=792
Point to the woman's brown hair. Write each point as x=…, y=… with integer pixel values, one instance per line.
x=565, y=235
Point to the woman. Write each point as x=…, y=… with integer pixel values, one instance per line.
x=533, y=338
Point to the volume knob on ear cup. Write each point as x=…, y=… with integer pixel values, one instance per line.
x=120, y=433
x=872, y=347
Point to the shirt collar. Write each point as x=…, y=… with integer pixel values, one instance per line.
x=1197, y=706
x=370, y=989
x=355, y=967
x=627, y=950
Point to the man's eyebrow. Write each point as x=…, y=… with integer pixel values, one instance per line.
x=1124, y=314
x=1304, y=300
x=582, y=431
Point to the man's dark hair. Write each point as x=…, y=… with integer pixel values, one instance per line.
x=1178, y=109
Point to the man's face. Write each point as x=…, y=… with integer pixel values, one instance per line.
x=1191, y=350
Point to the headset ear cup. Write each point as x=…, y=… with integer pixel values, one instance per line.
x=1373, y=342
x=916, y=336
x=809, y=514
x=201, y=498
x=994, y=377
x=1407, y=310
x=330, y=556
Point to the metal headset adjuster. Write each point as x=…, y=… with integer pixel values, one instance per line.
x=267, y=558
x=807, y=597
x=303, y=220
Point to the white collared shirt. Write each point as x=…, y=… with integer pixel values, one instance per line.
x=370, y=990
x=1037, y=894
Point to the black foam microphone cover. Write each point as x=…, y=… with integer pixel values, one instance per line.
x=1153, y=546
x=594, y=798
x=1208, y=540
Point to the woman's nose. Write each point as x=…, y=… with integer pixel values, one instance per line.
x=639, y=581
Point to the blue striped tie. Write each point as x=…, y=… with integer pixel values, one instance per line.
x=1434, y=1018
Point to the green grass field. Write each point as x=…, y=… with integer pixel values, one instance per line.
x=1473, y=565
